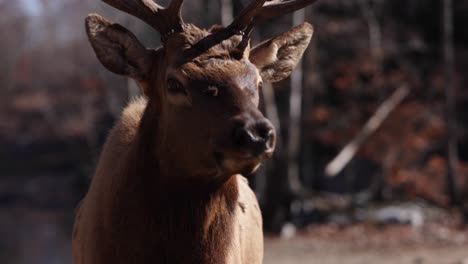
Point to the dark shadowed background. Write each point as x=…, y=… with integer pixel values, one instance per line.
x=372, y=164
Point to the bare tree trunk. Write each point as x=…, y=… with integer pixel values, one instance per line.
x=132, y=88
x=375, y=32
x=295, y=118
x=226, y=12
x=271, y=110
x=449, y=60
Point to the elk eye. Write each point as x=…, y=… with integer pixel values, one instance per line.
x=174, y=86
x=211, y=91
x=260, y=86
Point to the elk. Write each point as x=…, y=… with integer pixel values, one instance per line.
x=168, y=187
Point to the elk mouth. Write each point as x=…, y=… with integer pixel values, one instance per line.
x=239, y=162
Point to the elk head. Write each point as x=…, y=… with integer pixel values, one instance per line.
x=203, y=85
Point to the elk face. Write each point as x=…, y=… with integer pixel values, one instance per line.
x=215, y=97
x=203, y=89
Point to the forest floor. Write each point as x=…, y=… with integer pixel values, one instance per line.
x=370, y=244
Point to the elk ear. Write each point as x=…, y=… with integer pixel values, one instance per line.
x=277, y=57
x=118, y=49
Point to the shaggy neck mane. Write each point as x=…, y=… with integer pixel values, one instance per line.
x=169, y=223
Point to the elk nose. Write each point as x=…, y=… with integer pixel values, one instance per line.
x=256, y=139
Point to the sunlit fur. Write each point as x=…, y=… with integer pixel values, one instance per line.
x=111, y=227
x=160, y=194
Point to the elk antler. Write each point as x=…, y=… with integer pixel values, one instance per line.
x=255, y=13
x=165, y=20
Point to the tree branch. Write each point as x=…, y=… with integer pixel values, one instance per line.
x=350, y=150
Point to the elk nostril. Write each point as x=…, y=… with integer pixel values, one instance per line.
x=265, y=131
x=242, y=137
x=269, y=136
x=255, y=139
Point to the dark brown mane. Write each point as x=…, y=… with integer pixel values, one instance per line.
x=170, y=204
x=156, y=202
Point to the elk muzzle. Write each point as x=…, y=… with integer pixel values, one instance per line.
x=252, y=140
x=255, y=139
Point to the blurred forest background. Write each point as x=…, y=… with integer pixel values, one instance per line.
x=373, y=123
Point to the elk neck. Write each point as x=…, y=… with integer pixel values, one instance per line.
x=165, y=203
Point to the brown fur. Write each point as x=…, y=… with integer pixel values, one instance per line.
x=131, y=207
x=167, y=189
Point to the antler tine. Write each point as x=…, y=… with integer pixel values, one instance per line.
x=274, y=8
x=165, y=20
x=143, y=9
x=257, y=12
x=247, y=16
x=239, y=26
